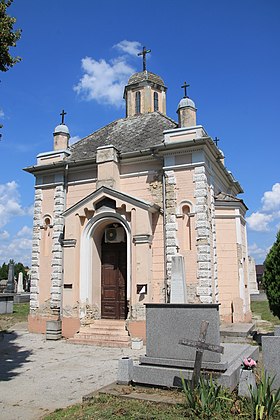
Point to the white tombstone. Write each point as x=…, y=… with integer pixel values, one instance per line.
x=20, y=288
x=178, y=280
x=253, y=285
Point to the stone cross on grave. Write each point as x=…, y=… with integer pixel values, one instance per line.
x=144, y=53
x=200, y=347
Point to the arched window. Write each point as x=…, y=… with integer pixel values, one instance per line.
x=155, y=101
x=187, y=228
x=138, y=102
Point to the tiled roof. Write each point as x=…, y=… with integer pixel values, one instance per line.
x=126, y=134
x=145, y=75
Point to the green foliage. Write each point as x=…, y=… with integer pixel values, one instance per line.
x=18, y=267
x=8, y=36
x=207, y=399
x=264, y=401
x=271, y=277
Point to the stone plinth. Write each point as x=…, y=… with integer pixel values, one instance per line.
x=53, y=330
x=166, y=324
x=6, y=303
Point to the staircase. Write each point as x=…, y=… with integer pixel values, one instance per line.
x=103, y=332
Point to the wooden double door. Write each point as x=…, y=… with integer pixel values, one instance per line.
x=113, y=281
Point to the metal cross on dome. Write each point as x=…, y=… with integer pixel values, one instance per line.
x=144, y=53
x=185, y=86
x=63, y=113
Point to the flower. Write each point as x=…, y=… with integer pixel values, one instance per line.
x=248, y=364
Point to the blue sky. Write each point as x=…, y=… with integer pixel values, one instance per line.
x=78, y=56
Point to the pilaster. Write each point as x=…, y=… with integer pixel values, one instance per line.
x=34, y=284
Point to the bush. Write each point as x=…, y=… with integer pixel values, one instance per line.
x=271, y=277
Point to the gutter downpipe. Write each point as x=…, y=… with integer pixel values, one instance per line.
x=65, y=186
x=153, y=153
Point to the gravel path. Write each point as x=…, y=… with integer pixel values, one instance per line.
x=38, y=376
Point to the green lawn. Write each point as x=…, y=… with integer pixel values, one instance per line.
x=262, y=308
x=106, y=407
x=20, y=314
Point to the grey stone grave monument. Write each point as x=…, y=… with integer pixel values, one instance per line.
x=7, y=298
x=271, y=356
x=167, y=361
x=178, y=284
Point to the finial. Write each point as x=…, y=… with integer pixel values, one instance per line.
x=185, y=86
x=144, y=53
x=63, y=113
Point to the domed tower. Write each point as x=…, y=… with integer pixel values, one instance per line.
x=61, y=135
x=145, y=92
x=186, y=110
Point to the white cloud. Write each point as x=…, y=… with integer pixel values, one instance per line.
x=271, y=199
x=19, y=248
x=4, y=235
x=258, y=253
x=10, y=205
x=129, y=47
x=104, y=81
x=2, y=114
x=73, y=140
x=24, y=232
x=259, y=221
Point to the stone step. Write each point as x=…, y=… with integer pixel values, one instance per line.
x=100, y=336
x=109, y=322
x=106, y=327
x=106, y=331
x=100, y=343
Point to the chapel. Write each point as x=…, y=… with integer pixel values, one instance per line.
x=140, y=211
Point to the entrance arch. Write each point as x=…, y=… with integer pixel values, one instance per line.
x=91, y=265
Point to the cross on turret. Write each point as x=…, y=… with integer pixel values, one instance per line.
x=216, y=139
x=144, y=53
x=185, y=86
x=63, y=113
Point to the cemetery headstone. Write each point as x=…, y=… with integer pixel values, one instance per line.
x=271, y=358
x=20, y=288
x=178, y=282
x=11, y=281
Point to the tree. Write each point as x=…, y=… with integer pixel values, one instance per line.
x=271, y=277
x=8, y=36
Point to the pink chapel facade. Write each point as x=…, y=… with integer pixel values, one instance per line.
x=112, y=210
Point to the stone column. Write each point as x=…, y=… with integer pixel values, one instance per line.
x=57, y=254
x=34, y=280
x=203, y=237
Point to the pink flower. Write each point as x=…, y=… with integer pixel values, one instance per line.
x=249, y=363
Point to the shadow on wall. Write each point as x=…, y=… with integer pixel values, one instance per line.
x=11, y=356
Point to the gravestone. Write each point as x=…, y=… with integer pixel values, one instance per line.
x=11, y=283
x=178, y=280
x=166, y=361
x=277, y=330
x=271, y=357
x=20, y=283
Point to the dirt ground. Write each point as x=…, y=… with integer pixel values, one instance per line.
x=38, y=376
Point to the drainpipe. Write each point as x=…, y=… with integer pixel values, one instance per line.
x=164, y=232
x=65, y=186
x=153, y=153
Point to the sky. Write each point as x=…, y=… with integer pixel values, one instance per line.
x=78, y=56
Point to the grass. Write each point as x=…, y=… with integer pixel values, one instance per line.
x=20, y=314
x=262, y=308
x=105, y=407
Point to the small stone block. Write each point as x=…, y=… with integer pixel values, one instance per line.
x=277, y=330
x=125, y=371
x=247, y=380
x=53, y=330
x=136, y=343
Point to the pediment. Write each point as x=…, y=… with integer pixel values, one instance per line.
x=108, y=194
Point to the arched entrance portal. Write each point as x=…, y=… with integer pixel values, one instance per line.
x=114, y=273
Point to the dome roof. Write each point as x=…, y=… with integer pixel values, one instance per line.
x=184, y=102
x=143, y=76
x=61, y=128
